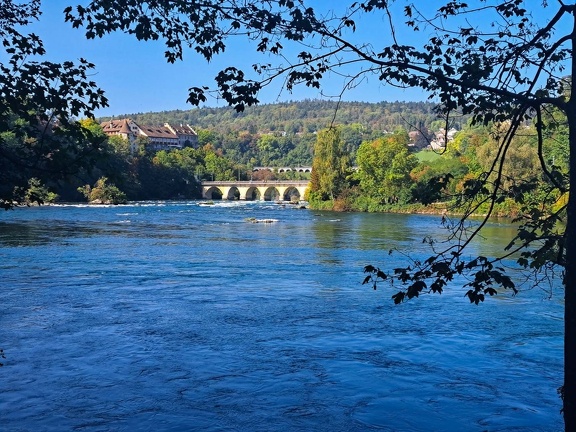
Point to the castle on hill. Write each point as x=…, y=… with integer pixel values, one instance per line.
x=158, y=138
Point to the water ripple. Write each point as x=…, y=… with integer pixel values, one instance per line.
x=187, y=318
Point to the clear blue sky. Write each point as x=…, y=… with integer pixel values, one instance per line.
x=137, y=78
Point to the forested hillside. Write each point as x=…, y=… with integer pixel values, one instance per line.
x=301, y=117
x=284, y=134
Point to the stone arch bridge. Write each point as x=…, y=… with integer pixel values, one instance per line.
x=272, y=190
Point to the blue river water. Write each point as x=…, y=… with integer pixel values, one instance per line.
x=171, y=316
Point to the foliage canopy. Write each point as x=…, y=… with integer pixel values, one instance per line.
x=39, y=100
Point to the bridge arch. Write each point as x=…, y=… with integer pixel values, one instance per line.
x=213, y=193
x=253, y=194
x=271, y=194
x=233, y=193
x=291, y=193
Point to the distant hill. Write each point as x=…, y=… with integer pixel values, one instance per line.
x=306, y=116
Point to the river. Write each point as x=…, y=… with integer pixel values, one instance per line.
x=172, y=316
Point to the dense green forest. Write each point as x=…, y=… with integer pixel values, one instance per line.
x=363, y=156
x=284, y=134
x=466, y=177
x=306, y=116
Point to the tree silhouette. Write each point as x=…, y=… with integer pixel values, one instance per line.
x=39, y=100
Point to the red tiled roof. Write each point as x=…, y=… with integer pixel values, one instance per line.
x=165, y=132
x=184, y=130
x=120, y=126
x=158, y=132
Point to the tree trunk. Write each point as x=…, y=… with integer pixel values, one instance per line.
x=570, y=292
x=570, y=269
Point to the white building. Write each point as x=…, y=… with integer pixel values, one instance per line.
x=159, y=137
x=441, y=138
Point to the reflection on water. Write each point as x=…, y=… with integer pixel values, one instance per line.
x=21, y=234
x=174, y=316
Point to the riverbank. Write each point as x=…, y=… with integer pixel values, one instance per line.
x=502, y=210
